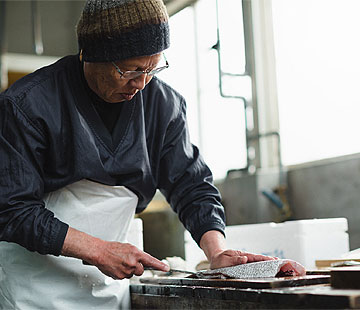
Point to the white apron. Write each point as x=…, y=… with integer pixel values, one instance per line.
x=29, y=280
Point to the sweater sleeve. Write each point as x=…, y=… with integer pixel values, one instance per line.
x=23, y=217
x=187, y=182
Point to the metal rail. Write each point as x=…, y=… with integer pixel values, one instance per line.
x=253, y=136
x=2, y=38
x=36, y=27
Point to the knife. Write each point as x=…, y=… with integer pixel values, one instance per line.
x=171, y=271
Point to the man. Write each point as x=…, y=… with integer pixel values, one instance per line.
x=84, y=143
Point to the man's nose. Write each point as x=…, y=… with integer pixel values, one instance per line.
x=140, y=81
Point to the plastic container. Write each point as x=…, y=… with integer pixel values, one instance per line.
x=304, y=240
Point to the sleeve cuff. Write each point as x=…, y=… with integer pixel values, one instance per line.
x=59, y=240
x=205, y=228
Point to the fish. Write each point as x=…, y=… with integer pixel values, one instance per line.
x=262, y=269
x=291, y=268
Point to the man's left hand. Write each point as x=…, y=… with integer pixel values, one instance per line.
x=213, y=245
x=229, y=258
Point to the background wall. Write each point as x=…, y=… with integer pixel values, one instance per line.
x=58, y=20
x=328, y=188
x=322, y=189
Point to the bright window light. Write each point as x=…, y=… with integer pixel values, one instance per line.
x=318, y=73
x=217, y=125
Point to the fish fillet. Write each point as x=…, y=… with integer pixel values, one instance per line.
x=263, y=269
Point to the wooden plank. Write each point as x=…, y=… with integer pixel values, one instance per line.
x=147, y=296
x=242, y=283
x=326, y=263
x=174, y=302
x=318, y=272
x=345, y=277
x=313, y=297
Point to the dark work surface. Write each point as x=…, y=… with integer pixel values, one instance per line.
x=241, y=283
x=215, y=294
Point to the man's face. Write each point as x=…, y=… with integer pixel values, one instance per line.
x=107, y=83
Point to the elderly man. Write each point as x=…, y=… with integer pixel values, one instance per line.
x=84, y=144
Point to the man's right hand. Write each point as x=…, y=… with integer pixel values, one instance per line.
x=114, y=259
x=123, y=260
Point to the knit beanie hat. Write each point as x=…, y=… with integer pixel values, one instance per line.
x=112, y=30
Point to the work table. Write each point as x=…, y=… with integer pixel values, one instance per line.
x=312, y=291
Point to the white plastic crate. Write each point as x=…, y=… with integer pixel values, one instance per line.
x=304, y=240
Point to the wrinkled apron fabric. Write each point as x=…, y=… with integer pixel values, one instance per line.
x=29, y=280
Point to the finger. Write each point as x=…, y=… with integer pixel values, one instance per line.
x=150, y=261
x=258, y=257
x=139, y=270
x=127, y=273
x=235, y=253
x=231, y=258
x=265, y=257
x=238, y=260
x=226, y=260
x=251, y=257
x=117, y=275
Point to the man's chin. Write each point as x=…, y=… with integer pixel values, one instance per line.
x=115, y=99
x=127, y=97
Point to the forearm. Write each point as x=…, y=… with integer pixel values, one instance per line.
x=80, y=245
x=214, y=247
x=115, y=259
x=212, y=243
x=30, y=225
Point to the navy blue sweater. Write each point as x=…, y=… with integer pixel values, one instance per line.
x=52, y=136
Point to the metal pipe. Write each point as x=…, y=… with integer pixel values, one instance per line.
x=2, y=39
x=197, y=76
x=221, y=72
x=277, y=135
x=278, y=198
x=36, y=25
x=248, y=68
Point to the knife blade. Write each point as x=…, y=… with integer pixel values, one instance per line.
x=171, y=271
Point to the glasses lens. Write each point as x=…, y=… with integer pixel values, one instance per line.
x=131, y=74
x=157, y=70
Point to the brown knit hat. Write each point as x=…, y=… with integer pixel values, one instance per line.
x=112, y=30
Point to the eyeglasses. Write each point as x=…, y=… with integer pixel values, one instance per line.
x=130, y=75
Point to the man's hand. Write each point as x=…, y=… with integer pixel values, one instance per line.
x=114, y=259
x=123, y=260
x=229, y=258
x=213, y=245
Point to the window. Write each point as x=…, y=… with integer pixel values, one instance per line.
x=217, y=124
x=317, y=51
x=317, y=67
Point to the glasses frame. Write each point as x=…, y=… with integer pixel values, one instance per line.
x=131, y=75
